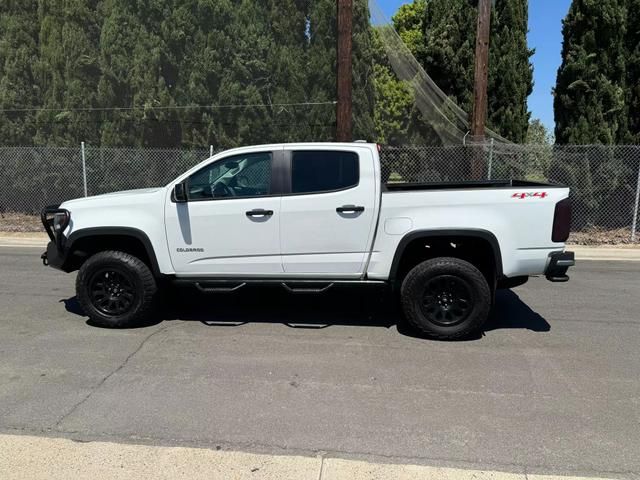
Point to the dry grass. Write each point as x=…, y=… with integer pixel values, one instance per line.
x=599, y=236
x=19, y=222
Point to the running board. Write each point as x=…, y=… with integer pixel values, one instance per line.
x=224, y=289
x=307, y=289
x=291, y=285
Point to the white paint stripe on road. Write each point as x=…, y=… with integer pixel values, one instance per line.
x=35, y=458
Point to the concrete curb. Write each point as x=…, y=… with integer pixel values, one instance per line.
x=34, y=458
x=627, y=254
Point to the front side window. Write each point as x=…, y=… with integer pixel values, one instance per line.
x=246, y=175
x=317, y=171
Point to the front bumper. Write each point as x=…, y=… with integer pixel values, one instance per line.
x=54, y=257
x=559, y=263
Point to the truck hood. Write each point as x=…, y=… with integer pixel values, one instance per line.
x=119, y=198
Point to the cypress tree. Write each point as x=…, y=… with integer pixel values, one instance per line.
x=320, y=82
x=633, y=72
x=137, y=76
x=449, y=48
x=322, y=68
x=18, y=57
x=198, y=43
x=363, y=71
x=69, y=71
x=448, y=58
x=245, y=79
x=288, y=64
x=590, y=91
x=510, y=72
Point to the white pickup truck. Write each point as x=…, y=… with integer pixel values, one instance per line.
x=309, y=216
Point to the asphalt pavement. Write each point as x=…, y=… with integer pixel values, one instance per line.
x=552, y=385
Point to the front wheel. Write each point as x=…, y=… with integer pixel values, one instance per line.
x=446, y=298
x=116, y=289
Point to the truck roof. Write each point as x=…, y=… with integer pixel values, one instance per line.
x=312, y=145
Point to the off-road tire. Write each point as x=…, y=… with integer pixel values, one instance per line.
x=135, y=274
x=416, y=298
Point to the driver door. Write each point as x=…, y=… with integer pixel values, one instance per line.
x=230, y=224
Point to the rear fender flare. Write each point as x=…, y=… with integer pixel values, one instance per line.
x=466, y=233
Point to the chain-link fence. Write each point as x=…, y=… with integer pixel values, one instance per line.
x=604, y=180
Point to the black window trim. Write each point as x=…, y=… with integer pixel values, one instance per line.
x=277, y=176
x=288, y=179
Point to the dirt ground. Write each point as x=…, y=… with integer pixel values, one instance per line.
x=18, y=222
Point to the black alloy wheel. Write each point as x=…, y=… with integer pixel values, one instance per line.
x=112, y=291
x=116, y=289
x=447, y=300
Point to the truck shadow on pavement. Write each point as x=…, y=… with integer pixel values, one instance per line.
x=339, y=306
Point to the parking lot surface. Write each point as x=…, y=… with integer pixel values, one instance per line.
x=552, y=386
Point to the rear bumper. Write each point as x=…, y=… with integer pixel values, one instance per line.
x=559, y=263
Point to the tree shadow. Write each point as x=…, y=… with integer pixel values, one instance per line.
x=346, y=306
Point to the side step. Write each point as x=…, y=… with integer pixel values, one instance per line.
x=221, y=289
x=293, y=285
x=307, y=288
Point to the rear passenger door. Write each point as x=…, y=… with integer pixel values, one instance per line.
x=326, y=220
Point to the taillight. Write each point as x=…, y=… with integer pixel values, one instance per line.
x=562, y=221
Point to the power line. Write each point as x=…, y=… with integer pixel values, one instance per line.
x=174, y=107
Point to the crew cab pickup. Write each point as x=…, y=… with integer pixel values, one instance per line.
x=310, y=216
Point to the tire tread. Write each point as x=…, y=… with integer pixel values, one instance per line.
x=479, y=282
x=147, y=280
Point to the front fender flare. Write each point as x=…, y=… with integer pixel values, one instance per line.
x=116, y=231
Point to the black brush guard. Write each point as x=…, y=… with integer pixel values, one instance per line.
x=47, y=217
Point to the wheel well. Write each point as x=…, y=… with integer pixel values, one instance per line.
x=82, y=248
x=476, y=250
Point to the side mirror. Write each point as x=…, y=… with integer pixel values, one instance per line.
x=180, y=193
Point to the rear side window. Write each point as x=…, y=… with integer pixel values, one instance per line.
x=317, y=171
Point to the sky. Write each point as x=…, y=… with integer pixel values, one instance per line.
x=545, y=36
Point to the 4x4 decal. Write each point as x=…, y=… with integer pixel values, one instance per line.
x=524, y=195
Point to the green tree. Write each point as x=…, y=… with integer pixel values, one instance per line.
x=409, y=23
x=321, y=68
x=590, y=90
x=449, y=48
x=538, y=134
x=68, y=71
x=137, y=76
x=441, y=34
x=633, y=72
x=18, y=57
x=510, y=71
x=397, y=120
x=198, y=41
x=288, y=82
x=394, y=101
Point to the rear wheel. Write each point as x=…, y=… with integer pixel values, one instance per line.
x=116, y=289
x=446, y=298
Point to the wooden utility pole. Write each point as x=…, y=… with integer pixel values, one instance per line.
x=480, y=82
x=344, y=119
